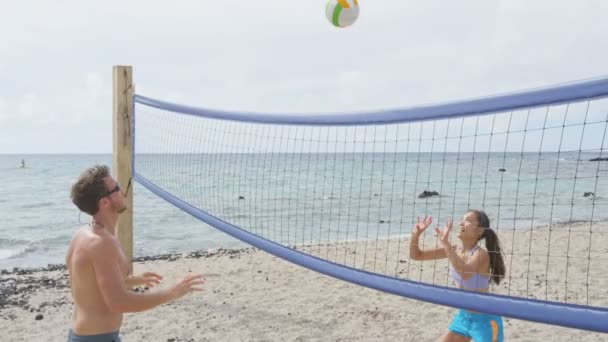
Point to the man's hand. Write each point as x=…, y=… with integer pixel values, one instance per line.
x=188, y=284
x=148, y=278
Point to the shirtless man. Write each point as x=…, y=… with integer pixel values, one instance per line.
x=100, y=275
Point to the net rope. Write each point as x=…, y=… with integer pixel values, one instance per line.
x=339, y=193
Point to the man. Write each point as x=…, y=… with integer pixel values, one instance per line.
x=100, y=272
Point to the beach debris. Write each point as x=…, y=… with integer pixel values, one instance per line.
x=384, y=221
x=588, y=194
x=19, y=284
x=599, y=159
x=426, y=194
x=502, y=170
x=211, y=252
x=16, y=291
x=241, y=197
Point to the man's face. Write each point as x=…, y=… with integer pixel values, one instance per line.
x=114, y=195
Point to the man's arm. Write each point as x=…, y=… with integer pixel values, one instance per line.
x=111, y=282
x=148, y=278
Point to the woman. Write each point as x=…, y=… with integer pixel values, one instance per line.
x=472, y=267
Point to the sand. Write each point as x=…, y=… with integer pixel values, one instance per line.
x=253, y=296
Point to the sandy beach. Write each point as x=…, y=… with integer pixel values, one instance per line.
x=253, y=296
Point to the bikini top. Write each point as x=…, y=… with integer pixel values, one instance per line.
x=476, y=281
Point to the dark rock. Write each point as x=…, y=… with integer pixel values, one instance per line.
x=241, y=197
x=587, y=194
x=426, y=194
x=599, y=159
x=502, y=170
x=39, y=317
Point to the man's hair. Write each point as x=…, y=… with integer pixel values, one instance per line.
x=89, y=188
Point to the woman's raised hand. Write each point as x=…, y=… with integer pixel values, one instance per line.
x=421, y=225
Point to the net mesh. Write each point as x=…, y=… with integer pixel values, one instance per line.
x=351, y=194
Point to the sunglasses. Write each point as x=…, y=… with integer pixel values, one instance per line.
x=116, y=189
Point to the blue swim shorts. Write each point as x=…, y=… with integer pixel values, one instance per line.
x=109, y=337
x=478, y=326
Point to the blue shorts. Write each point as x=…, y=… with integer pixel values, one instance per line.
x=478, y=326
x=109, y=337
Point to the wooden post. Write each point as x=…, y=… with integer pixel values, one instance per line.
x=122, y=149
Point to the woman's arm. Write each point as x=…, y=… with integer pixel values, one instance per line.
x=415, y=252
x=465, y=268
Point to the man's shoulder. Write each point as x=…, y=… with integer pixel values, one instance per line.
x=93, y=243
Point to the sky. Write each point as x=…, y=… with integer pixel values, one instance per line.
x=276, y=56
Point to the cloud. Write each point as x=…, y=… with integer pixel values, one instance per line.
x=350, y=86
x=276, y=57
x=29, y=109
x=3, y=110
x=93, y=99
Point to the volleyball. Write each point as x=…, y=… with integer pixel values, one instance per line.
x=342, y=13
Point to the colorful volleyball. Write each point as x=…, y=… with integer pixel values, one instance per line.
x=342, y=13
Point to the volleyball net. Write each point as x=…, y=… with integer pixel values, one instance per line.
x=340, y=193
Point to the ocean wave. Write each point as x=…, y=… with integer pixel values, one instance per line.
x=37, y=205
x=9, y=248
x=15, y=249
x=8, y=253
x=12, y=242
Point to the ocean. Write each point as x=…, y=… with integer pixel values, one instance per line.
x=297, y=199
x=39, y=218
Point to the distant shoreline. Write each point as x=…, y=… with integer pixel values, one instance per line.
x=209, y=252
x=169, y=257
